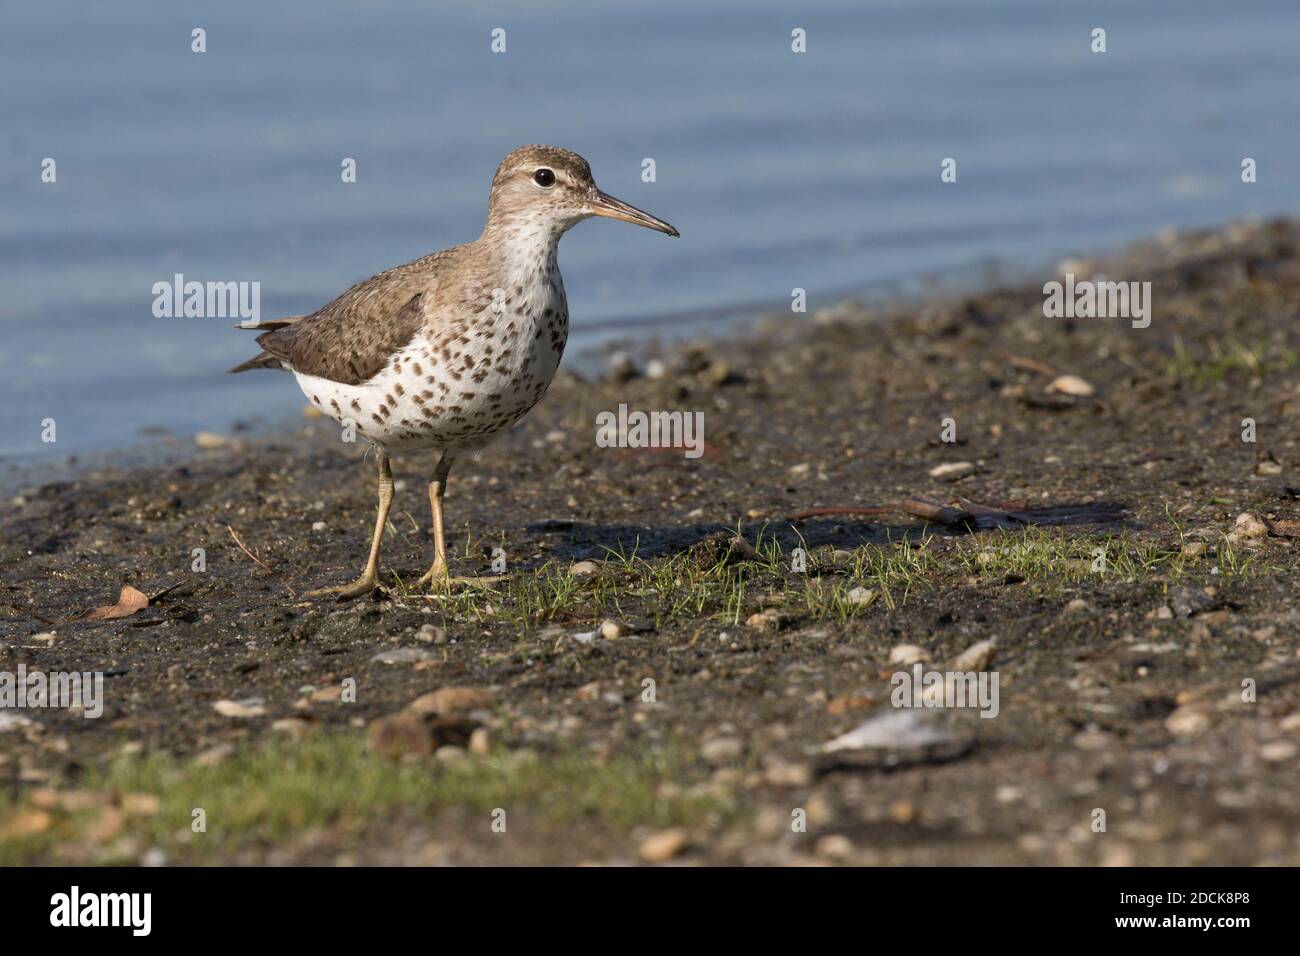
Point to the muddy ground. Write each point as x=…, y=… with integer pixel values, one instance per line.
x=1121, y=687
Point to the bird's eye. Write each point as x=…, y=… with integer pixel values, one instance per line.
x=544, y=177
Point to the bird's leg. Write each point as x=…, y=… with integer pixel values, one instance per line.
x=369, y=579
x=439, y=572
x=437, y=488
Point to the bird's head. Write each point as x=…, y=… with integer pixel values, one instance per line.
x=552, y=188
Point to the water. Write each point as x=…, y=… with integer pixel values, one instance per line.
x=817, y=171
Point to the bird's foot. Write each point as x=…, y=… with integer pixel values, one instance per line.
x=362, y=586
x=438, y=577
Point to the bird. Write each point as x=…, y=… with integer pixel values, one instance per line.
x=449, y=351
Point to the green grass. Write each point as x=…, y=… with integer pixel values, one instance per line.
x=684, y=589
x=1224, y=360
x=273, y=790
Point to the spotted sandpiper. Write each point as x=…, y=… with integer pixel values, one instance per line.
x=449, y=351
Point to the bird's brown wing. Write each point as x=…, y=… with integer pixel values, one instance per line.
x=352, y=339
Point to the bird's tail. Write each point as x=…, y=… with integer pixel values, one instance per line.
x=261, y=360
x=265, y=359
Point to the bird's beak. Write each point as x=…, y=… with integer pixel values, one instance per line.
x=606, y=205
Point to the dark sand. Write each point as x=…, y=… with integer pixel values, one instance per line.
x=1120, y=691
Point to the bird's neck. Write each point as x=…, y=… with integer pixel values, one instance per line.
x=525, y=244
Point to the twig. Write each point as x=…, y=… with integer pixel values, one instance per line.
x=243, y=547
x=1033, y=365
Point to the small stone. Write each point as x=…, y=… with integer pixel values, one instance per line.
x=1071, y=385
x=293, y=727
x=903, y=811
x=1078, y=605
x=1163, y=613
x=656, y=369
x=798, y=471
x=905, y=655
x=610, y=630
x=399, y=735
x=975, y=658
x=1194, y=549
x=318, y=526
x=453, y=700
x=1185, y=601
x=1249, y=525
x=450, y=753
x=952, y=470
x=1268, y=467
x=140, y=804
x=770, y=620
x=431, y=634
x=1187, y=721
x=664, y=846
x=622, y=368
x=1279, y=751
x=861, y=596
x=585, y=569
x=834, y=846
x=555, y=437
x=403, y=655
x=480, y=741
x=211, y=440
x=778, y=773
x=718, y=750
x=248, y=707
x=214, y=755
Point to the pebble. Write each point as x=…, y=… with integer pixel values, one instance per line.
x=975, y=658
x=211, y=440
x=248, y=707
x=719, y=750
x=294, y=727
x=318, y=526
x=894, y=728
x=453, y=700
x=1268, y=467
x=769, y=620
x=399, y=735
x=1076, y=606
x=664, y=845
x=951, y=471
x=403, y=655
x=834, y=846
x=1248, y=526
x=585, y=568
x=799, y=470
x=656, y=369
x=861, y=596
x=1279, y=751
x=1071, y=385
x=1187, y=721
x=1194, y=549
x=450, y=753
x=610, y=630
x=480, y=741
x=905, y=655
x=431, y=634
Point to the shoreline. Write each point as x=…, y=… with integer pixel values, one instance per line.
x=1120, y=688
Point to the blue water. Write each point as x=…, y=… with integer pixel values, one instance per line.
x=782, y=170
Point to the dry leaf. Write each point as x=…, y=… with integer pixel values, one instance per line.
x=128, y=602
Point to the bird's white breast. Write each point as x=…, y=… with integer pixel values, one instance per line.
x=463, y=379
